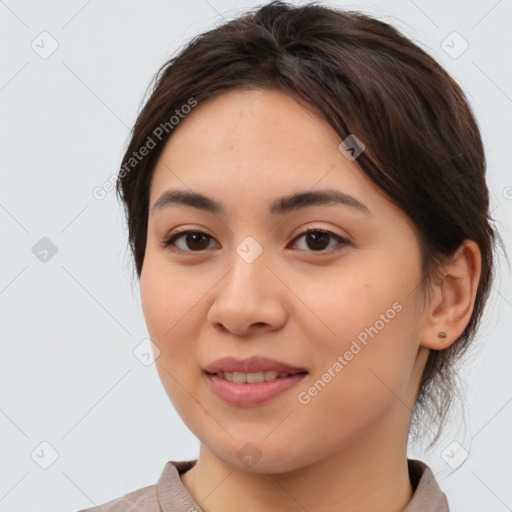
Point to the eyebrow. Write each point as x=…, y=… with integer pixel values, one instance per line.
x=281, y=205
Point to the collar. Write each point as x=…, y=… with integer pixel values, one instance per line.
x=427, y=496
x=173, y=496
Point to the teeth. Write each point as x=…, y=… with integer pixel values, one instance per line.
x=253, y=377
x=240, y=377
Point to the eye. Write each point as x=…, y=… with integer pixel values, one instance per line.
x=195, y=240
x=318, y=239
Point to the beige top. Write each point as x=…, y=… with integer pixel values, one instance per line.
x=170, y=495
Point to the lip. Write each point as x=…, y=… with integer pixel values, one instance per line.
x=251, y=365
x=250, y=395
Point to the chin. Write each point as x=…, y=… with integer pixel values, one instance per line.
x=254, y=457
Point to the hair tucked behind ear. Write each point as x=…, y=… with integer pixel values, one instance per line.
x=423, y=146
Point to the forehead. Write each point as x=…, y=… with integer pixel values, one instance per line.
x=251, y=143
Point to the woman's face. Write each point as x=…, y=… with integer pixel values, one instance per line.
x=344, y=305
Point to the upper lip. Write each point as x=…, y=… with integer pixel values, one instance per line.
x=250, y=365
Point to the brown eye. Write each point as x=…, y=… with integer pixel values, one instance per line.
x=317, y=240
x=194, y=241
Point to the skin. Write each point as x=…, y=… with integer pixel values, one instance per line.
x=346, y=448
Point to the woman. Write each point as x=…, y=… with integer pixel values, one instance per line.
x=308, y=214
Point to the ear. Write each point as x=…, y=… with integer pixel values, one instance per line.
x=453, y=297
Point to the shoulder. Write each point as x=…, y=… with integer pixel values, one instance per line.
x=142, y=499
x=165, y=494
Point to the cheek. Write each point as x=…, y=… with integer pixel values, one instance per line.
x=359, y=384
x=168, y=299
x=354, y=302
x=171, y=312
x=372, y=318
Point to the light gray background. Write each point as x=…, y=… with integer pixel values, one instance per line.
x=69, y=325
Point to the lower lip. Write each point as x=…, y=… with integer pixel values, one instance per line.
x=247, y=395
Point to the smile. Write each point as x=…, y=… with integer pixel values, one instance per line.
x=251, y=378
x=251, y=389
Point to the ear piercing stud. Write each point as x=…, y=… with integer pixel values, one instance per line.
x=442, y=334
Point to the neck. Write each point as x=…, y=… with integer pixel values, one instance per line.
x=370, y=474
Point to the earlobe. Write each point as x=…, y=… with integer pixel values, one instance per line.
x=453, y=298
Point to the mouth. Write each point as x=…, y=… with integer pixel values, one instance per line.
x=251, y=382
x=254, y=377
x=251, y=366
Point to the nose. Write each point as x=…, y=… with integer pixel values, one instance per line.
x=249, y=299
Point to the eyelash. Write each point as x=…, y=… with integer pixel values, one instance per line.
x=170, y=241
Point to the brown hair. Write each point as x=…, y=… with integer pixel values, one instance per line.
x=423, y=146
